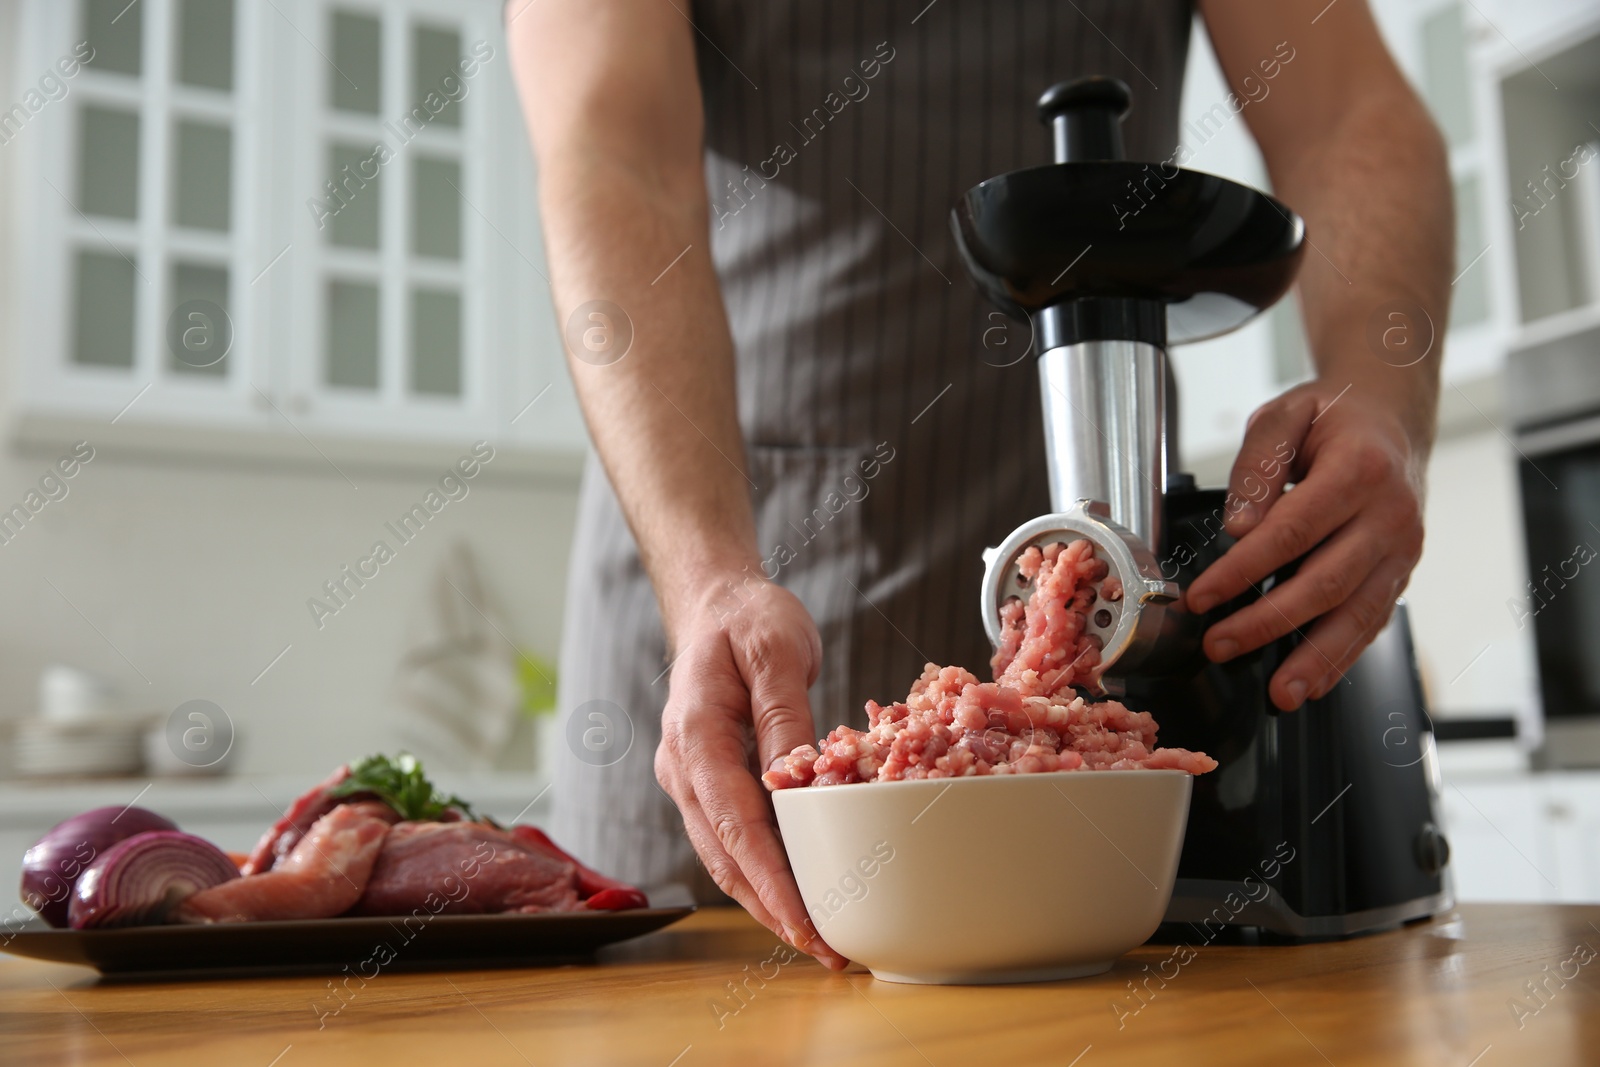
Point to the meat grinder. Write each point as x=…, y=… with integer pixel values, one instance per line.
x=1317, y=823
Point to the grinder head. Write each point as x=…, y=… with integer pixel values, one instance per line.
x=1129, y=627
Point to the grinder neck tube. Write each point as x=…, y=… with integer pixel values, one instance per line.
x=1105, y=424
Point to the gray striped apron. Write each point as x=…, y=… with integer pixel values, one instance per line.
x=892, y=424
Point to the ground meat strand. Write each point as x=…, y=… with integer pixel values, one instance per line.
x=1028, y=720
x=1054, y=650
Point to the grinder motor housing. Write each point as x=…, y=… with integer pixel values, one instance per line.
x=1316, y=824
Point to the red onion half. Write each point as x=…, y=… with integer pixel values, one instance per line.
x=53, y=865
x=138, y=881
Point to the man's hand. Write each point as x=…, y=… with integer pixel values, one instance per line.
x=743, y=660
x=1355, y=506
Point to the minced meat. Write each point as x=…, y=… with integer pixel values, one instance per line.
x=1030, y=719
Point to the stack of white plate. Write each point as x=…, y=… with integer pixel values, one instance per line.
x=42, y=748
x=80, y=731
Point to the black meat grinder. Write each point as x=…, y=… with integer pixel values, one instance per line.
x=1316, y=824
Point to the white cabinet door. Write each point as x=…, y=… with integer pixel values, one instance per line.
x=398, y=268
x=1570, y=806
x=298, y=216
x=138, y=240
x=1500, y=847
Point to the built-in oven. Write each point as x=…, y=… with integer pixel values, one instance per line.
x=1553, y=400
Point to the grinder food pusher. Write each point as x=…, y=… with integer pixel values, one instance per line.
x=1317, y=823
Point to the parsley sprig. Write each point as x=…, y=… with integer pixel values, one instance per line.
x=400, y=783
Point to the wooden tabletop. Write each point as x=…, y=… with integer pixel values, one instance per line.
x=1438, y=993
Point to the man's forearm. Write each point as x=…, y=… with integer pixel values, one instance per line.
x=1376, y=197
x=1350, y=147
x=663, y=418
x=612, y=99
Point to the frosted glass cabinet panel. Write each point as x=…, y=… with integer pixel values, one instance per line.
x=353, y=219
x=202, y=173
x=352, y=339
x=435, y=54
x=108, y=162
x=200, y=320
x=102, y=310
x=436, y=208
x=205, y=43
x=114, y=29
x=436, y=342
x=357, y=60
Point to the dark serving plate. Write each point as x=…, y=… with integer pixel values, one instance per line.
x=363, y=944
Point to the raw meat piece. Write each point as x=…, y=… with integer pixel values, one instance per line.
x=284, y=834
x=599, y=892
x=322, y=876
x=474, y=868
x=525, y=870
x=310, y=806
x=466, y=868
x=1028, y=720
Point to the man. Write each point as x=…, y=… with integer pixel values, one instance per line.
x=761, y=193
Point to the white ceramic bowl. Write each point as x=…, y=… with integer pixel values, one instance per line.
x=1011, y=878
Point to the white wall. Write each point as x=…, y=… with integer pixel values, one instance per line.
x=199, y=576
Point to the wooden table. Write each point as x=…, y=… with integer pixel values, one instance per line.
x=1437, y=993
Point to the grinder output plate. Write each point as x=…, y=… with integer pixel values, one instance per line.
x=1128, y=629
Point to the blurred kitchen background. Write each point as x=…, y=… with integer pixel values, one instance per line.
x=258, y=346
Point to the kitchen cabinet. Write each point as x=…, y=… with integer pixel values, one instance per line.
x=311, y=218
x=1525, y=837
